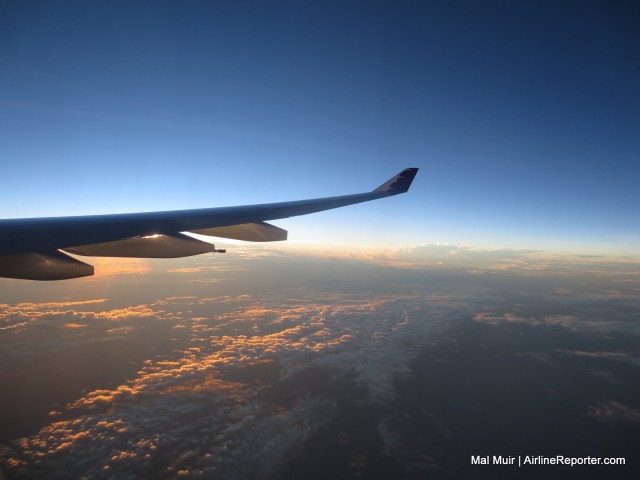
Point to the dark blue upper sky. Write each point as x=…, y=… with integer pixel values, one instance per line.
x=523, y=116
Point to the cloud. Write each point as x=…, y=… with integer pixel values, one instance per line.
x=508, y=317
x=615, y=356
x=613, y=411
x=589, y=323
x=33, y=310
x=119, y=314
x=121, y=330
x=187, y=417
x=207, y=268
x=229, y=396
x=24, y=316
x=465, y=257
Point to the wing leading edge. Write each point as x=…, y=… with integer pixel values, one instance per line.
x=35, y=248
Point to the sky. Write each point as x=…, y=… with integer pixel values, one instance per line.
x=491, y=310
x=522, y=116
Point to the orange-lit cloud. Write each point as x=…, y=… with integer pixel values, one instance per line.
x=24, y=315
x=372, y=336
x=21, y=316
x=119, y=314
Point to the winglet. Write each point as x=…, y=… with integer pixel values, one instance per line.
x=398, y=184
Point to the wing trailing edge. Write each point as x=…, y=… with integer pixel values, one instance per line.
x=249, y=232
x=153, y=246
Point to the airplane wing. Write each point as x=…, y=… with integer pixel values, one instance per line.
x=36, y=248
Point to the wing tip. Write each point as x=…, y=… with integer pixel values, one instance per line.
x=399, y=183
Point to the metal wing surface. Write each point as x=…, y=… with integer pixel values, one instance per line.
x=36, y=248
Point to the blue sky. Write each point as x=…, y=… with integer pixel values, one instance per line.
x=523, y=116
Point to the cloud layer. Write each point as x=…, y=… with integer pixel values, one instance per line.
x=184, y=403
x=230, y=378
